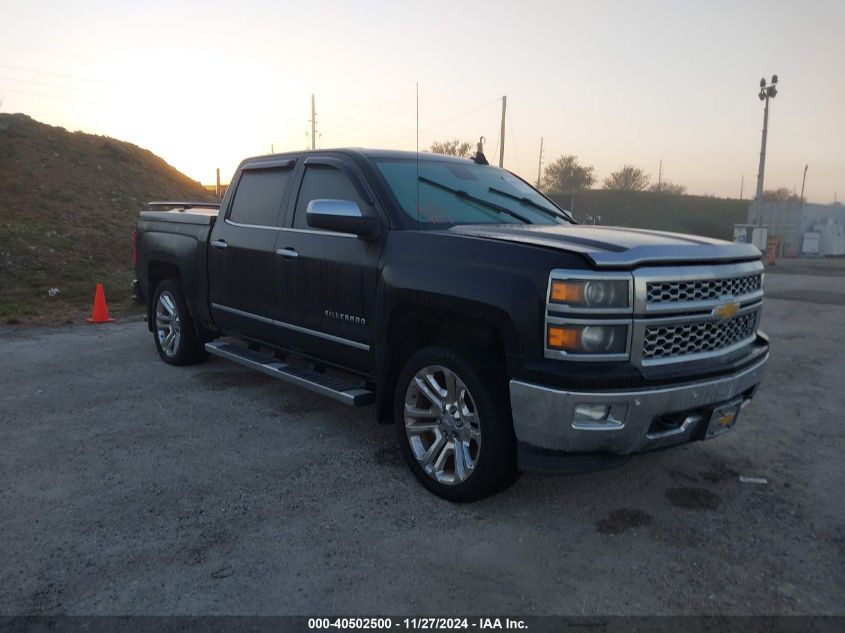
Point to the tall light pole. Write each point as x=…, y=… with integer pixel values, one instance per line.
x=502, y=133
x=803, y=182
x=540, y=164
x=767, y=92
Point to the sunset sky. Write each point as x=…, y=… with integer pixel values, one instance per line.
x=204, y=84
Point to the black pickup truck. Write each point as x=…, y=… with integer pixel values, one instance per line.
x=496, y=333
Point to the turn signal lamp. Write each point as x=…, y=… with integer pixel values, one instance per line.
x=565, y=338
x=587, y=339
x=571, y=292
x=594, y=294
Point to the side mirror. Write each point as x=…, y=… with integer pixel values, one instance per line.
x=341, y=216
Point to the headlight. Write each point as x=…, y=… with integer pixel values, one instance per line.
x=587, y=338
x=594, y=294
x=589, y=315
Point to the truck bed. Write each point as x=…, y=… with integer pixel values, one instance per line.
x=183, y=212
x=174, y=235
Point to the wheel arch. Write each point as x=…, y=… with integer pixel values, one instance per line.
x=415, y=323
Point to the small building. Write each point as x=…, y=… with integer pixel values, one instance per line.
x=789, y=221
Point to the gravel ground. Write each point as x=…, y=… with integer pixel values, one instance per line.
x=131, y=487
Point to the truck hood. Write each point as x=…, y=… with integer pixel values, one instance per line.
x=615, y=247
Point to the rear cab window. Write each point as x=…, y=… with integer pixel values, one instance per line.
x=259, y=196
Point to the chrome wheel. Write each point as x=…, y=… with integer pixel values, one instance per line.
x=168, y=324
x=441, y=423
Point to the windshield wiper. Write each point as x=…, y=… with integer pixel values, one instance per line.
x=460, y=193
x=530, y=203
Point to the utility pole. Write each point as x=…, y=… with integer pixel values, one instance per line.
x=766, y=92
x=660, y=175
x=803, y=182
x=217, y=190
x=313, y=123
x=540, y=164
x=741, y=186
x=502, y=133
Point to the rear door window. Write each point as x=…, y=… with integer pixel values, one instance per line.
x=258, y=198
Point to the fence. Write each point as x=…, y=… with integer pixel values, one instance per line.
x=219, y=190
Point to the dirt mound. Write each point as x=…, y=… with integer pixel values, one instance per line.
x=68, y=204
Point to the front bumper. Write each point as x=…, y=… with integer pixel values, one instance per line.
x=641, y=420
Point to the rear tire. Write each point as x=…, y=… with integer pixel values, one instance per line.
x=453, y=423
x=174, y=330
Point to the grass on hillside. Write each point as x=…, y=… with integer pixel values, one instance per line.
x=68, y=205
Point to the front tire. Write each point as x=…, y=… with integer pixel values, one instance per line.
x=453, y=424
x=173, y=328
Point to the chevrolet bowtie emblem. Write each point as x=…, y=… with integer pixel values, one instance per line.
x=727, y=311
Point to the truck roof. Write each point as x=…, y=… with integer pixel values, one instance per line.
x=360, y=152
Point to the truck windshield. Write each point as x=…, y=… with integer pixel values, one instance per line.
x=452, y=193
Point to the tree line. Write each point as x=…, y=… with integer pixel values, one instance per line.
x=566, y=174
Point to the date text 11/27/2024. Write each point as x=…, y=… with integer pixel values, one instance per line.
x=431, y=623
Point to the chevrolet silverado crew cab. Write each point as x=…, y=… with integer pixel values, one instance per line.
x=468, y=309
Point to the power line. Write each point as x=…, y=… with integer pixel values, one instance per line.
x=463, y=114
x=47, y=85
x=63, y=76
x=385, y=135
x=348, y=127
x=39, y=94
x=49, y=52
x=365, y=122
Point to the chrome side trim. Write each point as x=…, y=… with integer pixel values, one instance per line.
x=249, y=315
x=291, y=326
x=252, y=226
x=319, y=232
x=645, y=276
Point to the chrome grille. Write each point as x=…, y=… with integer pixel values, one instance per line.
x=702, y=290
x=666, y=341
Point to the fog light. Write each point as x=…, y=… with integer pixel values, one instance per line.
x=591, y=412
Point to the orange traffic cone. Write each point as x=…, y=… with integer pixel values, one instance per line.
x=100, y=313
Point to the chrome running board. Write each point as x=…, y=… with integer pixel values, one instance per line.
x=336, y=388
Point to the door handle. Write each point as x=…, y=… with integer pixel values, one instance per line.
x=219, y=244
x=287, y=253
